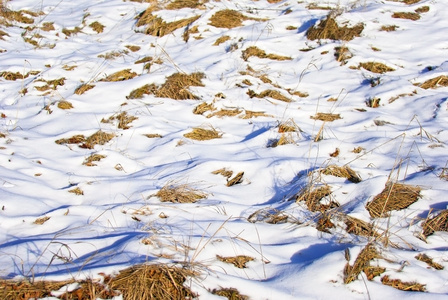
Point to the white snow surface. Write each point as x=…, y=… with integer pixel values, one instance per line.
x=119, y=222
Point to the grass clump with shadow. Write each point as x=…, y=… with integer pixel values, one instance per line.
x=328, y=28
x=376, y=67
x=229, y=293
x=439, y=222
x=257, y=52
x=238, y=261
x=180, y=193
x=203, y=134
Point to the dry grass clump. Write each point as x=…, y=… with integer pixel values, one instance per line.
x=274, y=94
x=403, y=285
x=436, y=82
x=326, y=117
x=97, y=26
x=180, y=193
x=271, y=216
x=227, y=19
x=362, y=263
x=221, y=40
x=428, y=260
x=248, y=114
x=76, y=139
x=51, y=84
x=406, y=15
x=161, y=282
x=203, y=134
x=324, y=223
x=395, y=196
x=313, y=197
x=238, y=261
x=284, y=139
x=373, y=102
x=98, y=138
x=2, y=34
x=152, y=135
x=84, y=88
x=16, y=16
x=89, y=161
x=203, y=108
x=178, y=4
x=344, y=172
x=342, y=54
x=69, y=32
x=235, y=180
x=176, y=86
x=42, y=220
x=422, y=9
x=77, y=191
x=230, y=293
x=329, y=29
x=388, y=28
x=120, y=76
x=113, y=54
x=224, y=172
x=288, y=126
x=140, y=92
x=123, y=120
x=65, y=104
x=436, y=223
x=12, y=76
x=376, y=67
x=47, y=26
x=360, y=227
x=255, y=51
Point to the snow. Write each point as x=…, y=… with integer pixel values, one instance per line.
x=403, y=140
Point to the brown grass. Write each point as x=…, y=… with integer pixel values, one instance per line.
x=16, y=16
x=77, y=191
x=313, y=197
x=438, y=222
x=120, y=76
x=97, y=26
x=238, y=261
x=180, y=193
x=439, y=81
x=98, y=138
x=48, y=26
x=176, y=86
x=224, y=172
x=140, y=92
x=221, y=40
x=12, y=76
x=225, y=113
x=373, y=102
x=395, y=196
x=326, y=117
x=428, y=260
x=123, y=120
x=161, y=282
x=274, y=94
x=76, y=139
x=83, y=88
x=65, y=104
x=288, y=126
x=342, y=54
x=89, y=161
x=376, y=67
x=113, y=54
x=284, y=139
x=236, y=180
x=422, y=9
x=388, y=28
x=203, y=134
x=42, y=220
x=156, y=26
x=152, y=135
x=362, y=262
x=329, y=29
x=324, y=223
x=406, y=15
x=248, y=114
x=403, y=285
x=271, y=216
x=360, y=227
x=69, y=32
x=179, y=4
x=229, y=293
x=227, y=19
x=257, y=52
x=203, y=108
x=343, y=172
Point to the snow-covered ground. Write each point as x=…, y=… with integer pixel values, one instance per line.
x=78, y=208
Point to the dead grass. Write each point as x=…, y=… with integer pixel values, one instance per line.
x=403, y=285
x=156, y=26
x=284, y=139
x=42, y=220
x=227, y=19
x=90, y=161
x=97, y=26
x=271, y=216
x=176, y=86
x=428, y=260
x=236, y=180
x=438, y=222
x=13, y=76
x=274, y=94
x=203, y=108
x=225, y=113
x=288, y=126
x=120, y=76
x=180, y=193
x=388, y=28
x=312, y=196
x=324, y=223
x=21, y=16
x=203, y=134
x=439, y=81
x=221, y=40
x=152, y=135
x=161, y=282
x=140, y=92
x=122, y=118
x=343, y=172
x=229, y=293
x=362, y=262
x=238, y=261
x=77, y=191
x=65, y=104
x=406, y=15
x=224, y=172
x=113, y=54
x=98, y=138
x=47, y=26
x=342, y=54
x=84, y=88
x=326, y=117
x=329, y=29
x=360, y=227
x=179, y=4
x=373, y=102
x=248, y=114
x=376, y=67
x=69, y=32
x=395, y=196
x=257, y=52
x=422, y=9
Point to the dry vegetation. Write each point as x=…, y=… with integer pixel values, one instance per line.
x=376, y=67
x=406, y=15
x=326, y=117
x=344, y=172
x=203, y=134
x=362, y=263
x=98, y=138
x=274, y=94
x=439, y=81
x=257, y=52
x=120, y=76
x=238, y=261
x=180, y=193
x=330, y=29
x=403, y=285
x=227, y=19
x=312, y=196
x=229, y=293
x=83, y=88
x=438, y=222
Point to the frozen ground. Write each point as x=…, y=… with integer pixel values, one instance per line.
x=78, y=209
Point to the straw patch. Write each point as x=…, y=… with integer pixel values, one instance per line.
x=238, y=261
x=40, y=221
x=329, y=29
x=98, y=138
x=439, y=81
x=362, y=262
x=156, y=26
x=436, y=223
x=202, y=134
x=69, y=32
x=122, y=118
x=224, y=172
x=76, y=139
x=395, y=196
x=47, y=26
x=225, y=113
x=77, y=191
x=140, y=92
x=90, y=161
x=17, y=16
x=403, y=285
x=13, y=76
x=83, y=88
x=152, y=135
x=326, y=117
x=248, y=114
x=65, y=105
x=159, y=281
x=176, y=86
x=97, y=26
x=257, y=52
x=203, y=108
x=221, y=40
x=324, y=223
x=288, y=126
x=180, y=193
x=343, y=172
x=406, y=15
x=313, y=197
x=422, y=9
x=178, y=4
x=342, y=54
x=274, y=94
x=388, y=28
x=359, y=227
x=285, y=139
x=120, y=76
x=113, y=54
x=227, y=19
x=229, y=293
x=428, y=260
x=236, y=180
x=376, y=67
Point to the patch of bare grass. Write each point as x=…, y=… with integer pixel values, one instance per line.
x=257, y=52
x=176, y=86
x=224, y=172
x=438, y=222
x=65, y=105
x=274, y=94
x=83, y=88
x=21, y=16
x=152, y=135
x=122, y=118
x=413, y=16
x=42, y=220
x=162, y=282
x=221, y=40
x=312, y=196
x=429, y=261
x=225, y=113
x=120, y=76
x=97, y=26
x=203, y=108
x=47, y=26
x=376, y=67
x=179, y=4
x=388, y=28
x=237, y=179
x=238, y=261
x=343, y=172
x=326, y=117
x=330, y=29
x=362, y=262
x=271, y=216
x=13, y=75
x=156, y=26
x=90, y=161
x=70, y=32
x=77, y=191
x=98, y=138
x=439, y=81
x=360, y=227
x=342, y=54
x=284, y=139
x=403, y=285
x=229, y=293
x=395, y=196
x=248, y=114
x=180, y=193
x=227, y=19
x=203, y=134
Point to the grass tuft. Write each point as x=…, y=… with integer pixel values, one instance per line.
x=406, y=15
x=439, y=81
x=344, y=172
x=89, y=161
x=227, y=19
x=326, y=117
x=97, y=26
x=428, y=260
x=362, y=262
x=238, y=261
x=274, y=94
x=203, y=134
x=313, y=197
x=436, y=223
x=65, y=105
x=329, y=29
x=83, y=88
x=120, y=76
x=180, y=193
x=176, y=86
x=376, y=67
x=229, y=293
x=403, y=285
x=257, y=52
